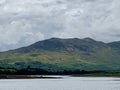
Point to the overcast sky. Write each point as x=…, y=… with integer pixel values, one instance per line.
x=23, y=22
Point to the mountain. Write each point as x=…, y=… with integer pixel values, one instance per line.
x=57, y=54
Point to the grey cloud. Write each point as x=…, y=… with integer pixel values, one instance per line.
x=23, y=22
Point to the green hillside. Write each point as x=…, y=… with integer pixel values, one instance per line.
x=64, y=54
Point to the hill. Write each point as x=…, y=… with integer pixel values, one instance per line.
x=57, y=54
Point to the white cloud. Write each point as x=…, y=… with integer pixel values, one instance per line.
x=23, y=22
x=18, y=34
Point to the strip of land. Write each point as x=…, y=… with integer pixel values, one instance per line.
x=29, y=77
x=58, y=76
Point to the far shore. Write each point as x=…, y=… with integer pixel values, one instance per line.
x=55, y=76
x=29, y=77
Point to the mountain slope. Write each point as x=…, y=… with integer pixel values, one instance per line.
x=64, y=54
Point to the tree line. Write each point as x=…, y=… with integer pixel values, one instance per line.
x=36, y=71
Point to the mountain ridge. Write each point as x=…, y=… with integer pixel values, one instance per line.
x=65, y=54
x=55, y=38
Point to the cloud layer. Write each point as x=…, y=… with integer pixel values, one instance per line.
x=23, y=22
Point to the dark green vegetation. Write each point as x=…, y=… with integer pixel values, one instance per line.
x=58, y=55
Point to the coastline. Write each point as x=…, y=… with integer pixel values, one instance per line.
x=55, y=76
x=29, y=77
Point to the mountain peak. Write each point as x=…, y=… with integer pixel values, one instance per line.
x=88, y=39
x=54, y=38
x=54, y=44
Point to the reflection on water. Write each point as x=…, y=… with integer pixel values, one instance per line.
x=67, y=83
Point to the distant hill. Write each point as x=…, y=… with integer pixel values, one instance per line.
x=57, y=54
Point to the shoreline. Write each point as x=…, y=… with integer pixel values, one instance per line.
x=52, y=76
x=29, y=77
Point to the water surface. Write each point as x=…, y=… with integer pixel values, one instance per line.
x=67, y=83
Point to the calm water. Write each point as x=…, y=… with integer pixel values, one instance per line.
x=67, y=83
